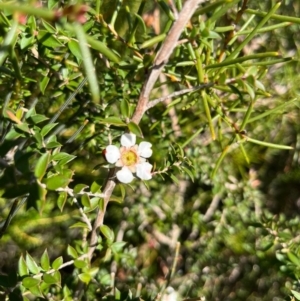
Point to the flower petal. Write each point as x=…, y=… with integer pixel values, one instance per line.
x=112, y=154
x=128, y=139
x=125, y=175
x=145, y=149
x=143, y=171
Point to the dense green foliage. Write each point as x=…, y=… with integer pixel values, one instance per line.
x=220, y=217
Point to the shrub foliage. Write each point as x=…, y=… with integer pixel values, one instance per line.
x=212, y=85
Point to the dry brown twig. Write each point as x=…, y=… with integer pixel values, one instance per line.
x=160, y=61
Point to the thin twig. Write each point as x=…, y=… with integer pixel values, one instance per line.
x=84, y=217
x=212, y=208
x=154, y=102
x=71, y=194
x=61, y=267
x=171, y=111
x=109, y=188
x=120, y=235
x=163, y=56
x=161, y=59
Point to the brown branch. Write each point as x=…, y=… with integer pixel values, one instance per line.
x=163, y=56
x=108, y=190
x=161, y=59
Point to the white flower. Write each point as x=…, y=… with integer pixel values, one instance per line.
x=131, y=158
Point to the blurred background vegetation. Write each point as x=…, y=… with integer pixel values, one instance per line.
x=224, y=209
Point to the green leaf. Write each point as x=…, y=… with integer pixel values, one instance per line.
x=135, y=129
x=39, y=139
x=57, y=276
x=105, y=279
x=79, y=188
x=57, y=263
x=85, y=200
x=45, y=262
x=95, y=187
x=47, y=128
x=30, y=282
x=49, y=279
x=13, y=134
x=79, y=225
x=293, y=258
x=44, y=83
x=48, y=26
x=53, y=144
x=57, y=181
x=116, y=199
x=62, y=197
x=27, y=41
x=80, y=264
x=267, y=144
x=250, y=91
x=31, y=264
x=296, y=294
x=22, y=267
x=188, y=172
x=48, y=39
x=23, y=127
x=174, y=179
x=118, y=246
x=124, y=106
x=102, y=48
x=72, y=252
x=107, y=232
x=85, y=277
x=75, y=49
x=123, y=191
x=30, y=113
x=153, y=41
x=94, y=203
x=113, y=121
x=36, y=291
x=38, y=118
x=41, y=166
x=64, y=158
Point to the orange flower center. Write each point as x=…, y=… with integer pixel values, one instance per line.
x=129, y=157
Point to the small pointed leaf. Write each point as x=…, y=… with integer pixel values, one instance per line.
x=135, y=129
x=45, y=262
x=80, y=264
x=113, y=121
x=79, y=188
x=72, y=252
x=41, y=165
x=85, y=200
x=31, y=264
x=22, y=267
x=296, y=294
x=107, y=232
x=47, y=128
x=80, y=225
x=30, y=282
x=57, y=181
x=57, y=263
x=124, y=108
x=85, y=277
x=62, y=200
x=49, y=279
x=38, y=118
